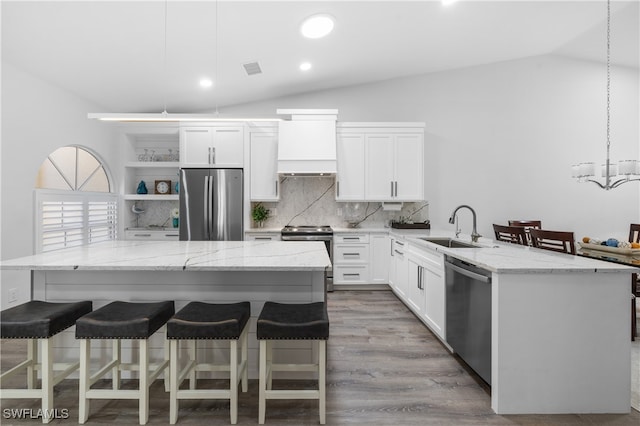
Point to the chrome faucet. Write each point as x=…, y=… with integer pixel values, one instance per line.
x=474, y=232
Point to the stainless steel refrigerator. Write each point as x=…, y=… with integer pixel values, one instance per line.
x=211, y=204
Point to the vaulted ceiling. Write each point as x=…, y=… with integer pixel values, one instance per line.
x=113, y=52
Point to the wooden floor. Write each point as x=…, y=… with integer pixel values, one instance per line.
x=385, y=368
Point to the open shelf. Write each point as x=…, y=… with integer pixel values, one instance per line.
x=152, y=197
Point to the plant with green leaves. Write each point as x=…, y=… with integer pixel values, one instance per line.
x=260, y=213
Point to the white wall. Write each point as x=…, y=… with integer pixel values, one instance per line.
x=502, y=138
x=37, y=118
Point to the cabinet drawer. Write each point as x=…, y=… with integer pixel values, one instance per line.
x=351, y=238
x=347, y=253
x=350, y=274
x=151, y=235
x=262, y=236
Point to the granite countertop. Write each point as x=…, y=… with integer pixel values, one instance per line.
x=119, y=255
x=502, y=257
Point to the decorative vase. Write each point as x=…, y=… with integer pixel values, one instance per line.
x=142, y=188
x=261, y=224
x=178, y=187
x=176, y=222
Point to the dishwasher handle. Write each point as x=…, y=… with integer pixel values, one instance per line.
x=470, y=274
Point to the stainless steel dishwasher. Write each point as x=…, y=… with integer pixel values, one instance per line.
x=468, y=315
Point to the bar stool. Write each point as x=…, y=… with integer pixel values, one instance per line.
x=278, y=321
x=210, y=321
x=117, y=321
x=38, y=322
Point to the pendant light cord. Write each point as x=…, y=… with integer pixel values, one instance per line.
x=166, y=75
x=215, y=81
x=608, y=89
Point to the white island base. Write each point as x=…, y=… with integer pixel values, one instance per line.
x=560, y=343
x=183, y=287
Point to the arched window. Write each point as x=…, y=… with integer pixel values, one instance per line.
x=72, y=168
x=74, y=202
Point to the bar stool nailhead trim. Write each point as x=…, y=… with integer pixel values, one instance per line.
x=37, y=322
x=116, y=321
x=200, y=321
x=278, y=321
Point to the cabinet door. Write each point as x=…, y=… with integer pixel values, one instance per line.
x=409, y=167
x=264, y=167
x=379, y=246
x=401, y=279
x=434, y=293
x=392, y=263
x=415, y=291
x=379, y=167
x=195, y=145
x=228, y=147
x=350, y=179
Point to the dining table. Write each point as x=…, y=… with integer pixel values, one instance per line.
x=630, y=257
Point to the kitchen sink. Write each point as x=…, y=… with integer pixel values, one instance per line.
x=450, y=242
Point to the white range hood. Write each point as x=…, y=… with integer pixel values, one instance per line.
x=307, y=142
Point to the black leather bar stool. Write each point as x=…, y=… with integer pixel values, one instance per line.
x=306, y=321
x=117, y=321
x=38, y=322
x=209, y=321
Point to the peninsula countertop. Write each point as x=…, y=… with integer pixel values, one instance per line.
x=120, y=255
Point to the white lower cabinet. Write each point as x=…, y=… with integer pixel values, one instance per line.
x=351, y=258
x=379, y=245
x=426, y=287
x=415, y=284
x=262, y=236
x=152, y=235
x=400, y=268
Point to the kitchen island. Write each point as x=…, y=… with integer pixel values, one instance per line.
x=559, y=326
x=182, y=271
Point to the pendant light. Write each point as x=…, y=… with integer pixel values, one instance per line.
x=614, y=174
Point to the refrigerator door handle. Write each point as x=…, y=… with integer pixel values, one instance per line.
x=210, y=204
x=206, y=205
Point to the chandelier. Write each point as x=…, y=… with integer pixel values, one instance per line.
x=614, y=174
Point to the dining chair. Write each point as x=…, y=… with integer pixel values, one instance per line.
x=511, y=234
x=527, y=224
x=634, y=237
x=558, y=241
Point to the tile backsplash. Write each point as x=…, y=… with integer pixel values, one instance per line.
x=303, y=201
x=311, y=201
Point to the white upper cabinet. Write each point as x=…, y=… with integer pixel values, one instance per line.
x=379, y=167
x=350, y=176
x=409, y=167
x=215, y=147
x=264, y=167
x=380, y=162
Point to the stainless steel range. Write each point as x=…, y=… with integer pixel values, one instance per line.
x=322, y=233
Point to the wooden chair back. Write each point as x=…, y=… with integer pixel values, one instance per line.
x=559, y=241
x=511, y=234
x=634, y=233
x=526, y=223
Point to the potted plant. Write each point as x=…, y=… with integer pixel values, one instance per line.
x=260, y=213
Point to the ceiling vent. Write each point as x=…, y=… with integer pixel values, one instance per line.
x=252, y=68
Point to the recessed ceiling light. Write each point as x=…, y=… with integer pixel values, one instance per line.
x=317, y=26
x=305, y=66
x=206, y=83
x=448, y=2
